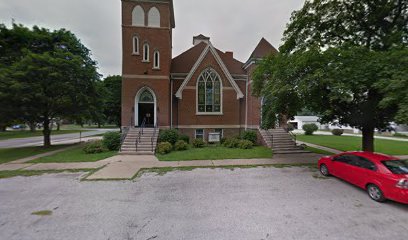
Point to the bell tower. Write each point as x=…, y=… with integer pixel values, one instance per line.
x=147, y=27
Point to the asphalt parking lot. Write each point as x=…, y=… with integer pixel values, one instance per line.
x=255, y=203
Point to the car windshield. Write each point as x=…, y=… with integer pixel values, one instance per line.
x=397, y=166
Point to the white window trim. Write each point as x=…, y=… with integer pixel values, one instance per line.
x=144, y=52
x=149, y=16
x=220, y=113
x=158, y=59
x=195, y=133
x=137, y=48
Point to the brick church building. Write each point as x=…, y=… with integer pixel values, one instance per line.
x=201, y=91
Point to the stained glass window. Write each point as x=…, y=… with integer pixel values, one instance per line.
x=209, y=92
x=146, y=97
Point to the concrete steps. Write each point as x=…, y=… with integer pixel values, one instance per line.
x=135, y=145
x=281, y=142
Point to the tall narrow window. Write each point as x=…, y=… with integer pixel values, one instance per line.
x=209, y=92
x=135, y=45
x=153, y=17
x=138, y=16
x=146, y=50
x=156, y=60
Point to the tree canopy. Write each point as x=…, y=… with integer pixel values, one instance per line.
x=345, y=60
x=45, y=75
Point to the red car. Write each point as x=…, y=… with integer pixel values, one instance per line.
x=384, y=177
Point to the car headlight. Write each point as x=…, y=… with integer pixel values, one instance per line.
x=403, y=183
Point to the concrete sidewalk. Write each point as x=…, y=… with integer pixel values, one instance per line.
x=125, y=167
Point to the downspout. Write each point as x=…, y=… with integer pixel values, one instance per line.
x=246, y=105
x=171, y=103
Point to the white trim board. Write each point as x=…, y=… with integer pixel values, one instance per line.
x=209, y=48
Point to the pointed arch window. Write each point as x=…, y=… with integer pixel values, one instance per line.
x=146, y=97
x=153, y=17
x=209, y=92
x=146, y=50
x=138, y=16
x=156, y=59
x=136, y=45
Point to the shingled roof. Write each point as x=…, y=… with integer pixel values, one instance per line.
x=184, y=62
x=263, y=49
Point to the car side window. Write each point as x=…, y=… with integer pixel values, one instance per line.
x=343, y=158
x=363, y=163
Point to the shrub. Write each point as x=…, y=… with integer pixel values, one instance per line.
x=164, y=147
x=250, y=136
x=198, y=143
x=185, y=138
x=290, y=127
x=231, y=143
x=170, y=135
x=180, y=145
x=111, y=140
x=245, y=144
x=94, y=147
x=337, y=132
x=310, y=128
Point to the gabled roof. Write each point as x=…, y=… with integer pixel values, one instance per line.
x=263, y=49
x=184, y=62
x=191, y=55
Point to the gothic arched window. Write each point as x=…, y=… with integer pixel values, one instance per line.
x=146, y=97
x=209, y=92
x=138, y=16
x=153, y=17
x=156, y=59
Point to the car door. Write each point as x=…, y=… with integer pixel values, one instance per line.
x=341, y=167
x=362, y=171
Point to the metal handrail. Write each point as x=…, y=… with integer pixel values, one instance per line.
x=293, y=136
x=270, y=134
x=154, y=134
x=140, y=134
x=123, y=136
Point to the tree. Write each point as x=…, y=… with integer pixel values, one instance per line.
x=45, y=75
x=344, y=57
x=113, y=99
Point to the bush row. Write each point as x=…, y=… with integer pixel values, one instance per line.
x=110, y=142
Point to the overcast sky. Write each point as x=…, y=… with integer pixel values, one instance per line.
x=232, y=25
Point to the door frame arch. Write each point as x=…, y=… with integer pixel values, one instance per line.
x=137, y=101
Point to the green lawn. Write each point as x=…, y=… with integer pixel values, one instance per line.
x=74, y=155
x=11, y=154
x=26, y=133
x=350, y=143
x=216, y=153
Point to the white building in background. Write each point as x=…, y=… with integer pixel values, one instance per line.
x=299, y=121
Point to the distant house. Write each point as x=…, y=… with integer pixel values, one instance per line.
x=299, y=121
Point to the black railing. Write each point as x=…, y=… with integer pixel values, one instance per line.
x=123, y=136
x=154, y=134
x=268, y=133
x=140, y=134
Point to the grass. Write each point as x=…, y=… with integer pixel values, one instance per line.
x=350, y=143
x=42, y=213
x=74, y=155
x=164, y=170
x=216, y=153
x=26, y=133
x=12, y=154
x=30, y=173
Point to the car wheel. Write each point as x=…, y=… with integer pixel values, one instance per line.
x=324, y=170
x=375, y=193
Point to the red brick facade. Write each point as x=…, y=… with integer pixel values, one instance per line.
x=174, y=85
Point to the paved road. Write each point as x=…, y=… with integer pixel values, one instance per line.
x=256, y=203
x=38, y=141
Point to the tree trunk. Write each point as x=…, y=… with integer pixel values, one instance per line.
x=368, y=139
x=58, y=125
x=283, y=121
x=32, y=126
x=47, y=133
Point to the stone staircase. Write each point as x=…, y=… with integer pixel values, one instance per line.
x=281, y=142
x=144, y=146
